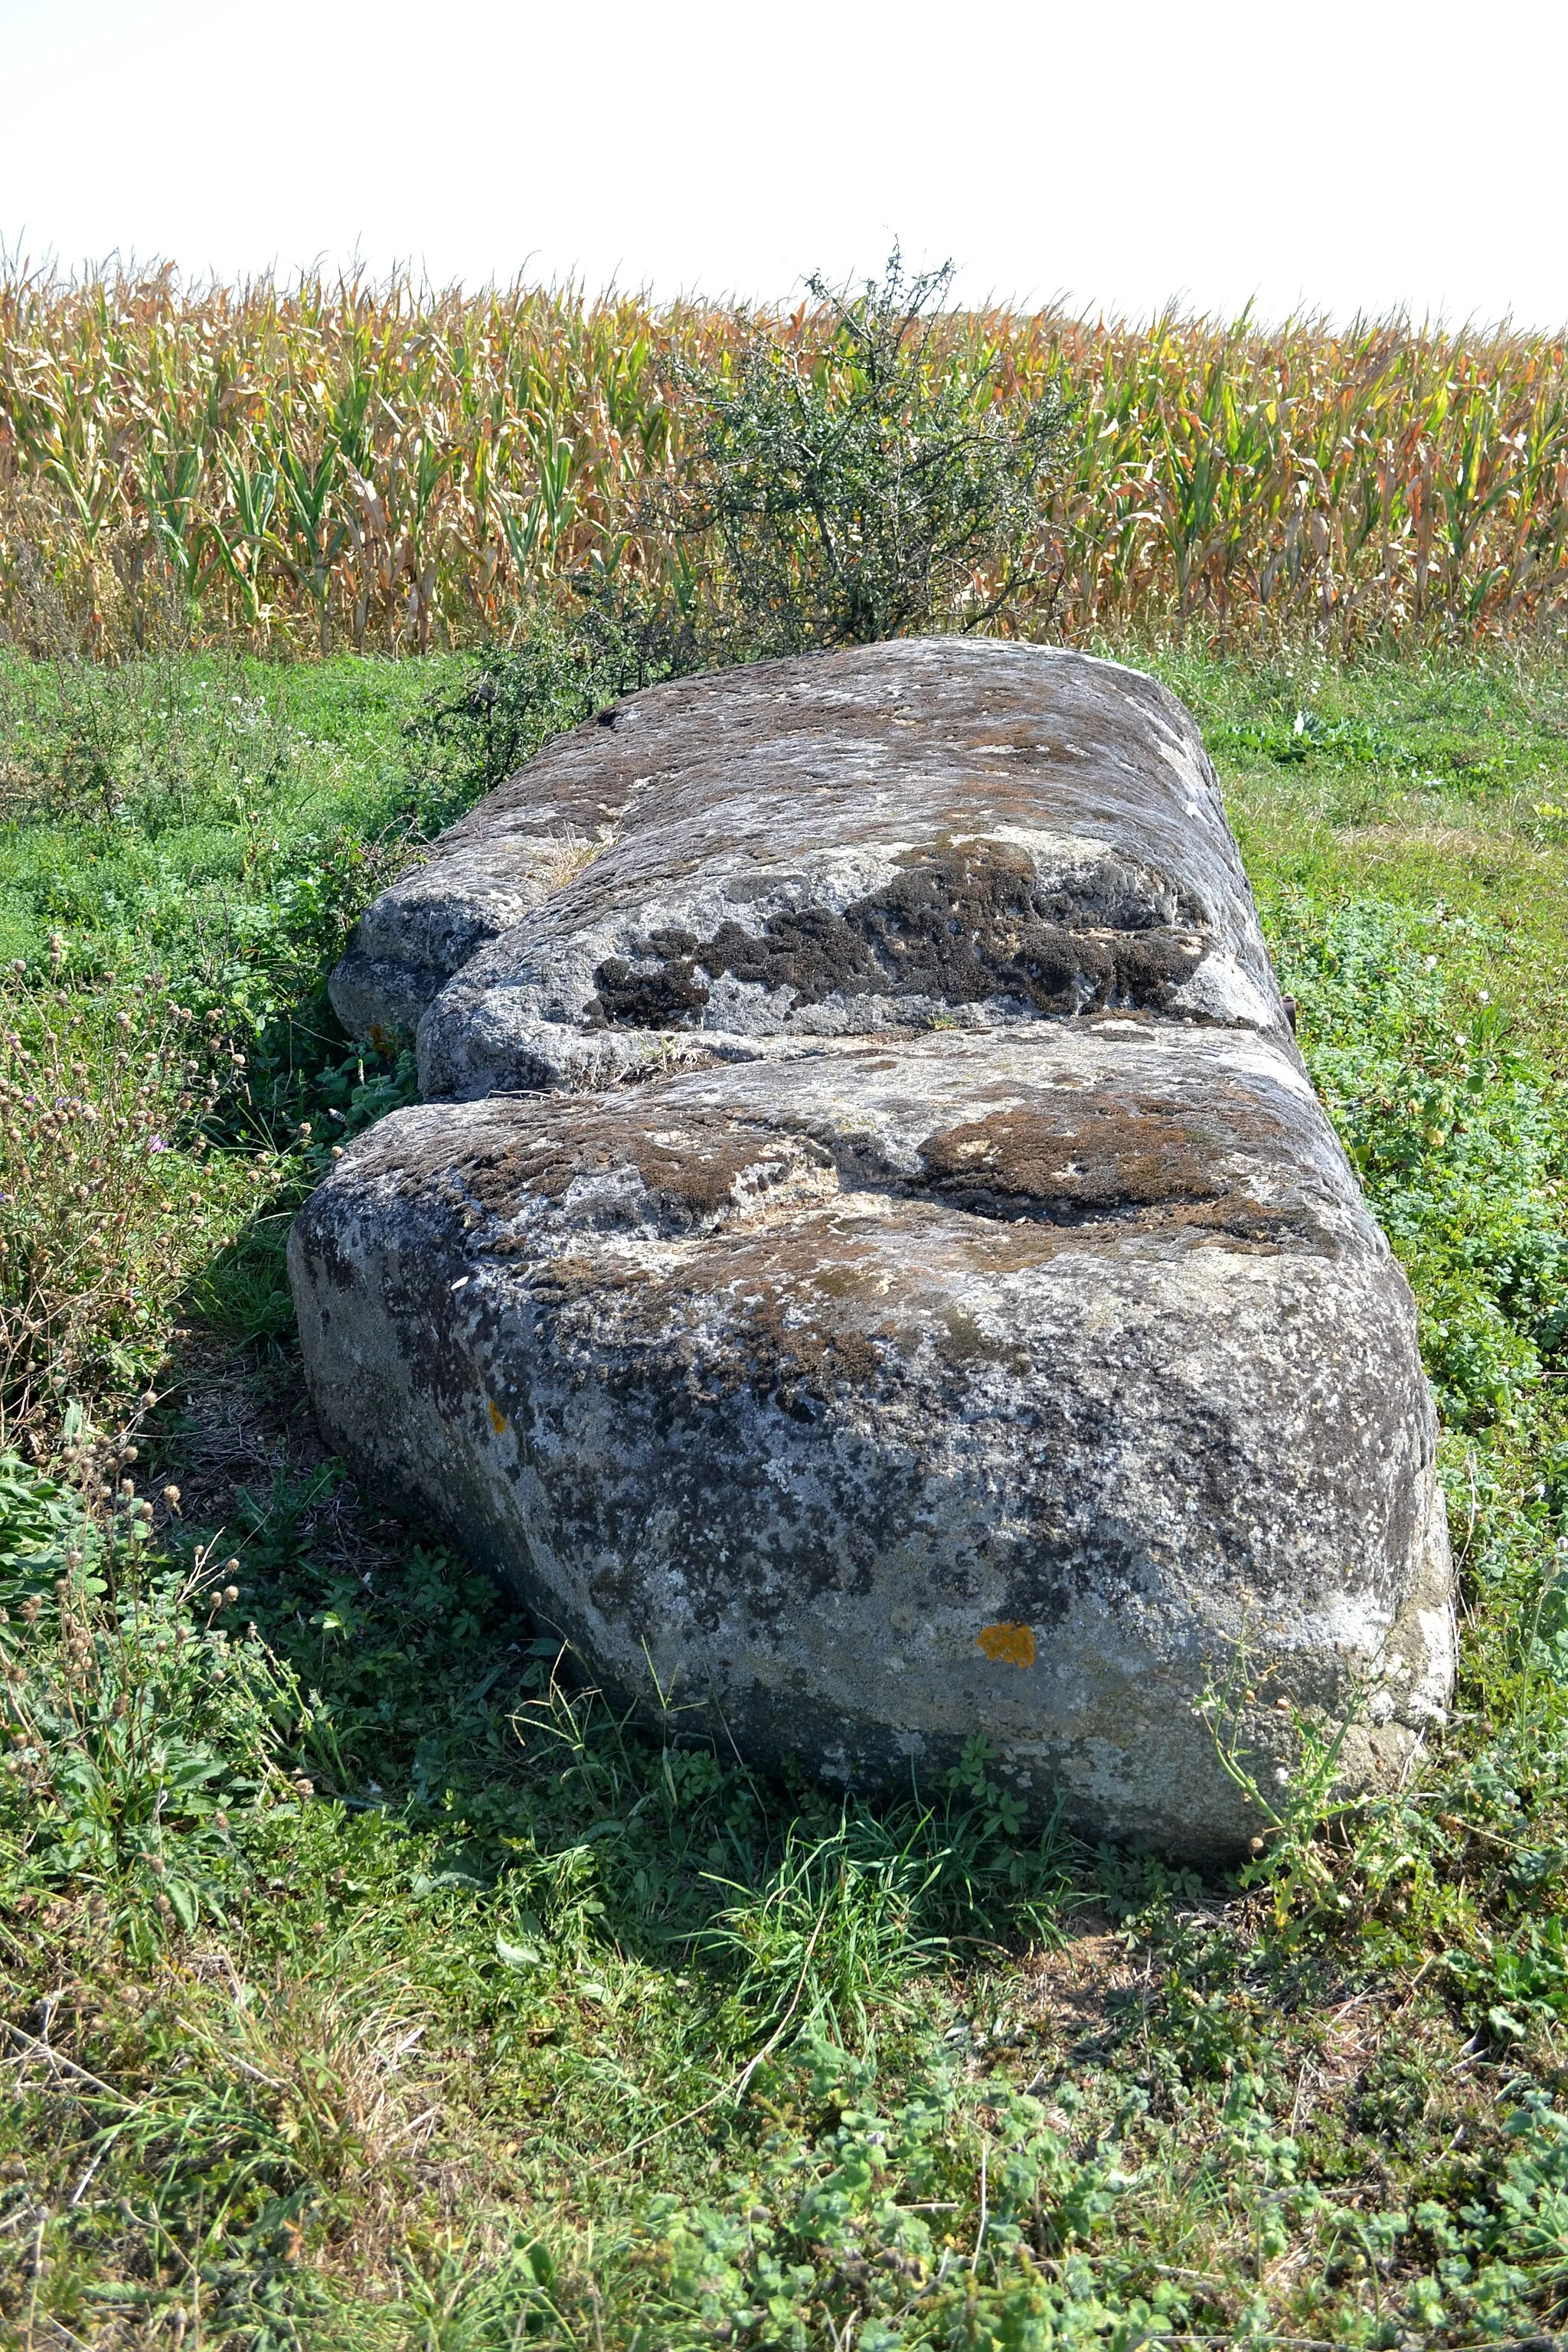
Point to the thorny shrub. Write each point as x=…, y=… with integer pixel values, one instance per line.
x=876, y=485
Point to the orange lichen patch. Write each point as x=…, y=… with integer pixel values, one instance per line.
x=497, y=1418
x=1009, y=1645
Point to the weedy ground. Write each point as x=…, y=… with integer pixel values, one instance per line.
x=367, y=1982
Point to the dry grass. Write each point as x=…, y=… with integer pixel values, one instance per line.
x=377, y=468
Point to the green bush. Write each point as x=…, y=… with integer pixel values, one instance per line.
x=874, y=487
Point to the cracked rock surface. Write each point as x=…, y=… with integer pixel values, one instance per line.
x=968, y=1322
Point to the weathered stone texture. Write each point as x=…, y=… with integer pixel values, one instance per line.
x=970, y=1322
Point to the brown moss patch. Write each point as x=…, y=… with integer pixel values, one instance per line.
x=963, y=922
x=1112, y=1154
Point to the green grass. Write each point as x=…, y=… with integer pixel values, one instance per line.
x=369, y=1983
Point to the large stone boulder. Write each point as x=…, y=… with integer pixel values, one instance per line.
x=967, y=1322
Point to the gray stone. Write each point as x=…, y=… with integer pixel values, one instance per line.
x=970, y=1323
x=473, y=884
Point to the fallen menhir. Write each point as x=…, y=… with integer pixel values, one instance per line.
x=968, y=1323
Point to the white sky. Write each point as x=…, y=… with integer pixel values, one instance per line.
x=1340, y=155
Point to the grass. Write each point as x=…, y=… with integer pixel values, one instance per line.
x=383, y=468
x=367, y=1982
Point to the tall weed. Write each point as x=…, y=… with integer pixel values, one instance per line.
x=102, y=1096
x=138, y=1730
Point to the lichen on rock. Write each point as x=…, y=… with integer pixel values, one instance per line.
x=968, y=1322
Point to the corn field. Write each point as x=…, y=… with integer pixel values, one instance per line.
x=373, y=468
